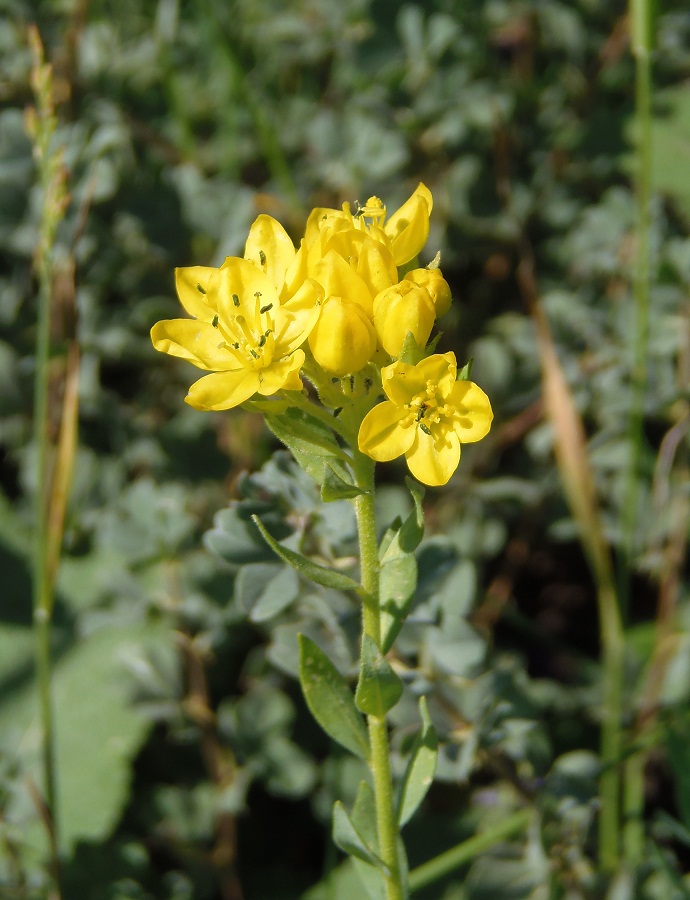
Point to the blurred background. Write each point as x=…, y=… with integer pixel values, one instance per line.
x=188, y=765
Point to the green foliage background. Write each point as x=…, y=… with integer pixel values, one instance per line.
x=188, y=762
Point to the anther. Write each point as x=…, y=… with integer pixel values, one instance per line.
x=425, y=428
x=254, y=353
x=262, y=257
x=235, y=299
x=262, y=340
x=337, y=411
x=265, y=309
x=215, y=321
x=200, y=289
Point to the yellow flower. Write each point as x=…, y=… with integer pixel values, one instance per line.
x=401, y=308
x=427, y=416
x=436, y=284
x=343, y=340
x=240, y=332
x=403, y=234
x=270, y=248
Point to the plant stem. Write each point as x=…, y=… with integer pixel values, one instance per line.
x=640, y=19
x=611, y=737
x=452, y=859
x=387, y=827
x=41, y=125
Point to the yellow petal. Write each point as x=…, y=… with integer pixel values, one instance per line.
x=195, y=341
x=376, y=266
x=401, y=308
x=198, y=303
x=400, y=382
x=282, y=375
x=240, y=284
x=433, y=458
x=343, y=340
x=441, y=369
x=436, y=284
x=474, y=414
x=338, y=280
x=320, y=218
x=381, y=436
x=296, y=273
x=269, y=247
x=223, y=390
x=308, y=297
x=293, y=328
x=408, y=227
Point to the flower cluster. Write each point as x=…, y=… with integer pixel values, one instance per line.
x=348, y=310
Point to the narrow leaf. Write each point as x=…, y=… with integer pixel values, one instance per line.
x=312, y=443
x=379, y=688
x=350, y=841
x=398, y=583
x=364, y=815
x=421, y=768
x=311, y=570
x=372, y=879
x=336, y=487
x=330, y=699
x=465, y=373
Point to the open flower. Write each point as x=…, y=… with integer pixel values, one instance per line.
x=427, y=416
x=403, y=234
x=240, y=332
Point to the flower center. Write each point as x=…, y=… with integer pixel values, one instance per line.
x=425, y=411
x=249, y=335
x=372, y=209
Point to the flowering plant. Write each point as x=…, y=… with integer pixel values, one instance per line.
x=330, y=342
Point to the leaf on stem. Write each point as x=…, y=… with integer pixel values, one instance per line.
x=330, y=699
x=311, y=442
x=337, y=485
x=311, y=570
x=379, y=688
x=398, y=579
x=350, y=841
x=421, y=769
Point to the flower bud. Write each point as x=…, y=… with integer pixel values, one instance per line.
x=436, y=284
x=343, y=340
x=401, y=308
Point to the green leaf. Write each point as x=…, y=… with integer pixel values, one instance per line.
x=278, y=594
x=364, y=815
x=350, y=841
x=379, y=688
x=398, y=582
x=465, y=373
x=421, y=768
x=99, y=730
x=372, y=879
x=311, y=570
x=335, y=487
x=330, y=699
x=312, y=444
x=411, y=352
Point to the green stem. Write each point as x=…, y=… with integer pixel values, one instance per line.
x=386, y=823
x=633, y=804
x=42, y=589
x=447, y=862
x=641, y=47
x=611, y=735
